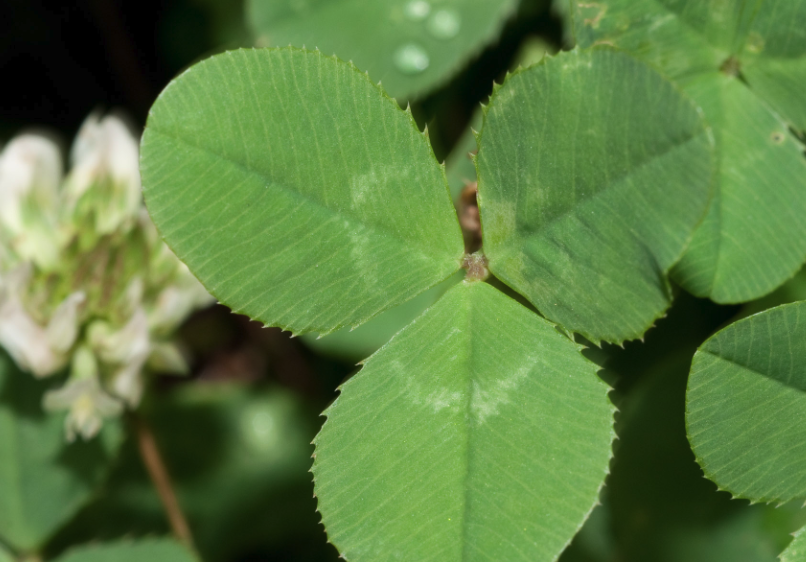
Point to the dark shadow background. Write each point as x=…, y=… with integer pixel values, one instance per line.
x=62, y=60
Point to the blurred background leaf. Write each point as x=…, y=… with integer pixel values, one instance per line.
x=43, y=480
x=656, y=504
x=239, y=459
x=410, y=46
x=151, y=550
x=356, y=345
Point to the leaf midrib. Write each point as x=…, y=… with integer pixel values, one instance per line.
x=751, y=370
x=409, y=244
x=468, y=424
x=515, y=242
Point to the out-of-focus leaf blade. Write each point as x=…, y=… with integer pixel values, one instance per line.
x=680, y=38
x=774, y=58
x=151, y=550
x=239, y=458
x=459, y=165
x=478, y=432
x=411, y=46
x=43, y=479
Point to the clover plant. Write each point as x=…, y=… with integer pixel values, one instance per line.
x=744, y=64
x=662, y=153
x=304, y=197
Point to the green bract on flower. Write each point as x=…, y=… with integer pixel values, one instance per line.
x=85, y=281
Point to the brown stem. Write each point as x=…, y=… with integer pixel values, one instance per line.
x=161, y=479
x=469, y=218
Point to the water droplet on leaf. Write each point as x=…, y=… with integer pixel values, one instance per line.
x=444, y=24
x=411, y=59
x=417, y=10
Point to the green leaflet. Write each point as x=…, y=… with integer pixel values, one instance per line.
x=796, y=552
x=356, y=345
x=478, y=432
x=780, y=83
x=745, y=404
x=296, y=191
x=791, y=291
x=151, y=550
x=43, y=480
x=754, y=233
x=411, y=46
x=774, y=58
x=657, y=505
x=585, y=206
x=744, y=62
x=5, y=555
x=680, y=37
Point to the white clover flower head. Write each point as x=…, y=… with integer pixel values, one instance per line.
x=175, y=302
x=30, y=174
x=87, y=404
x=105, y=174
x=25, y=340
x=85, y=278
x=84, y=399
x=62, y=330
x=126, y=351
